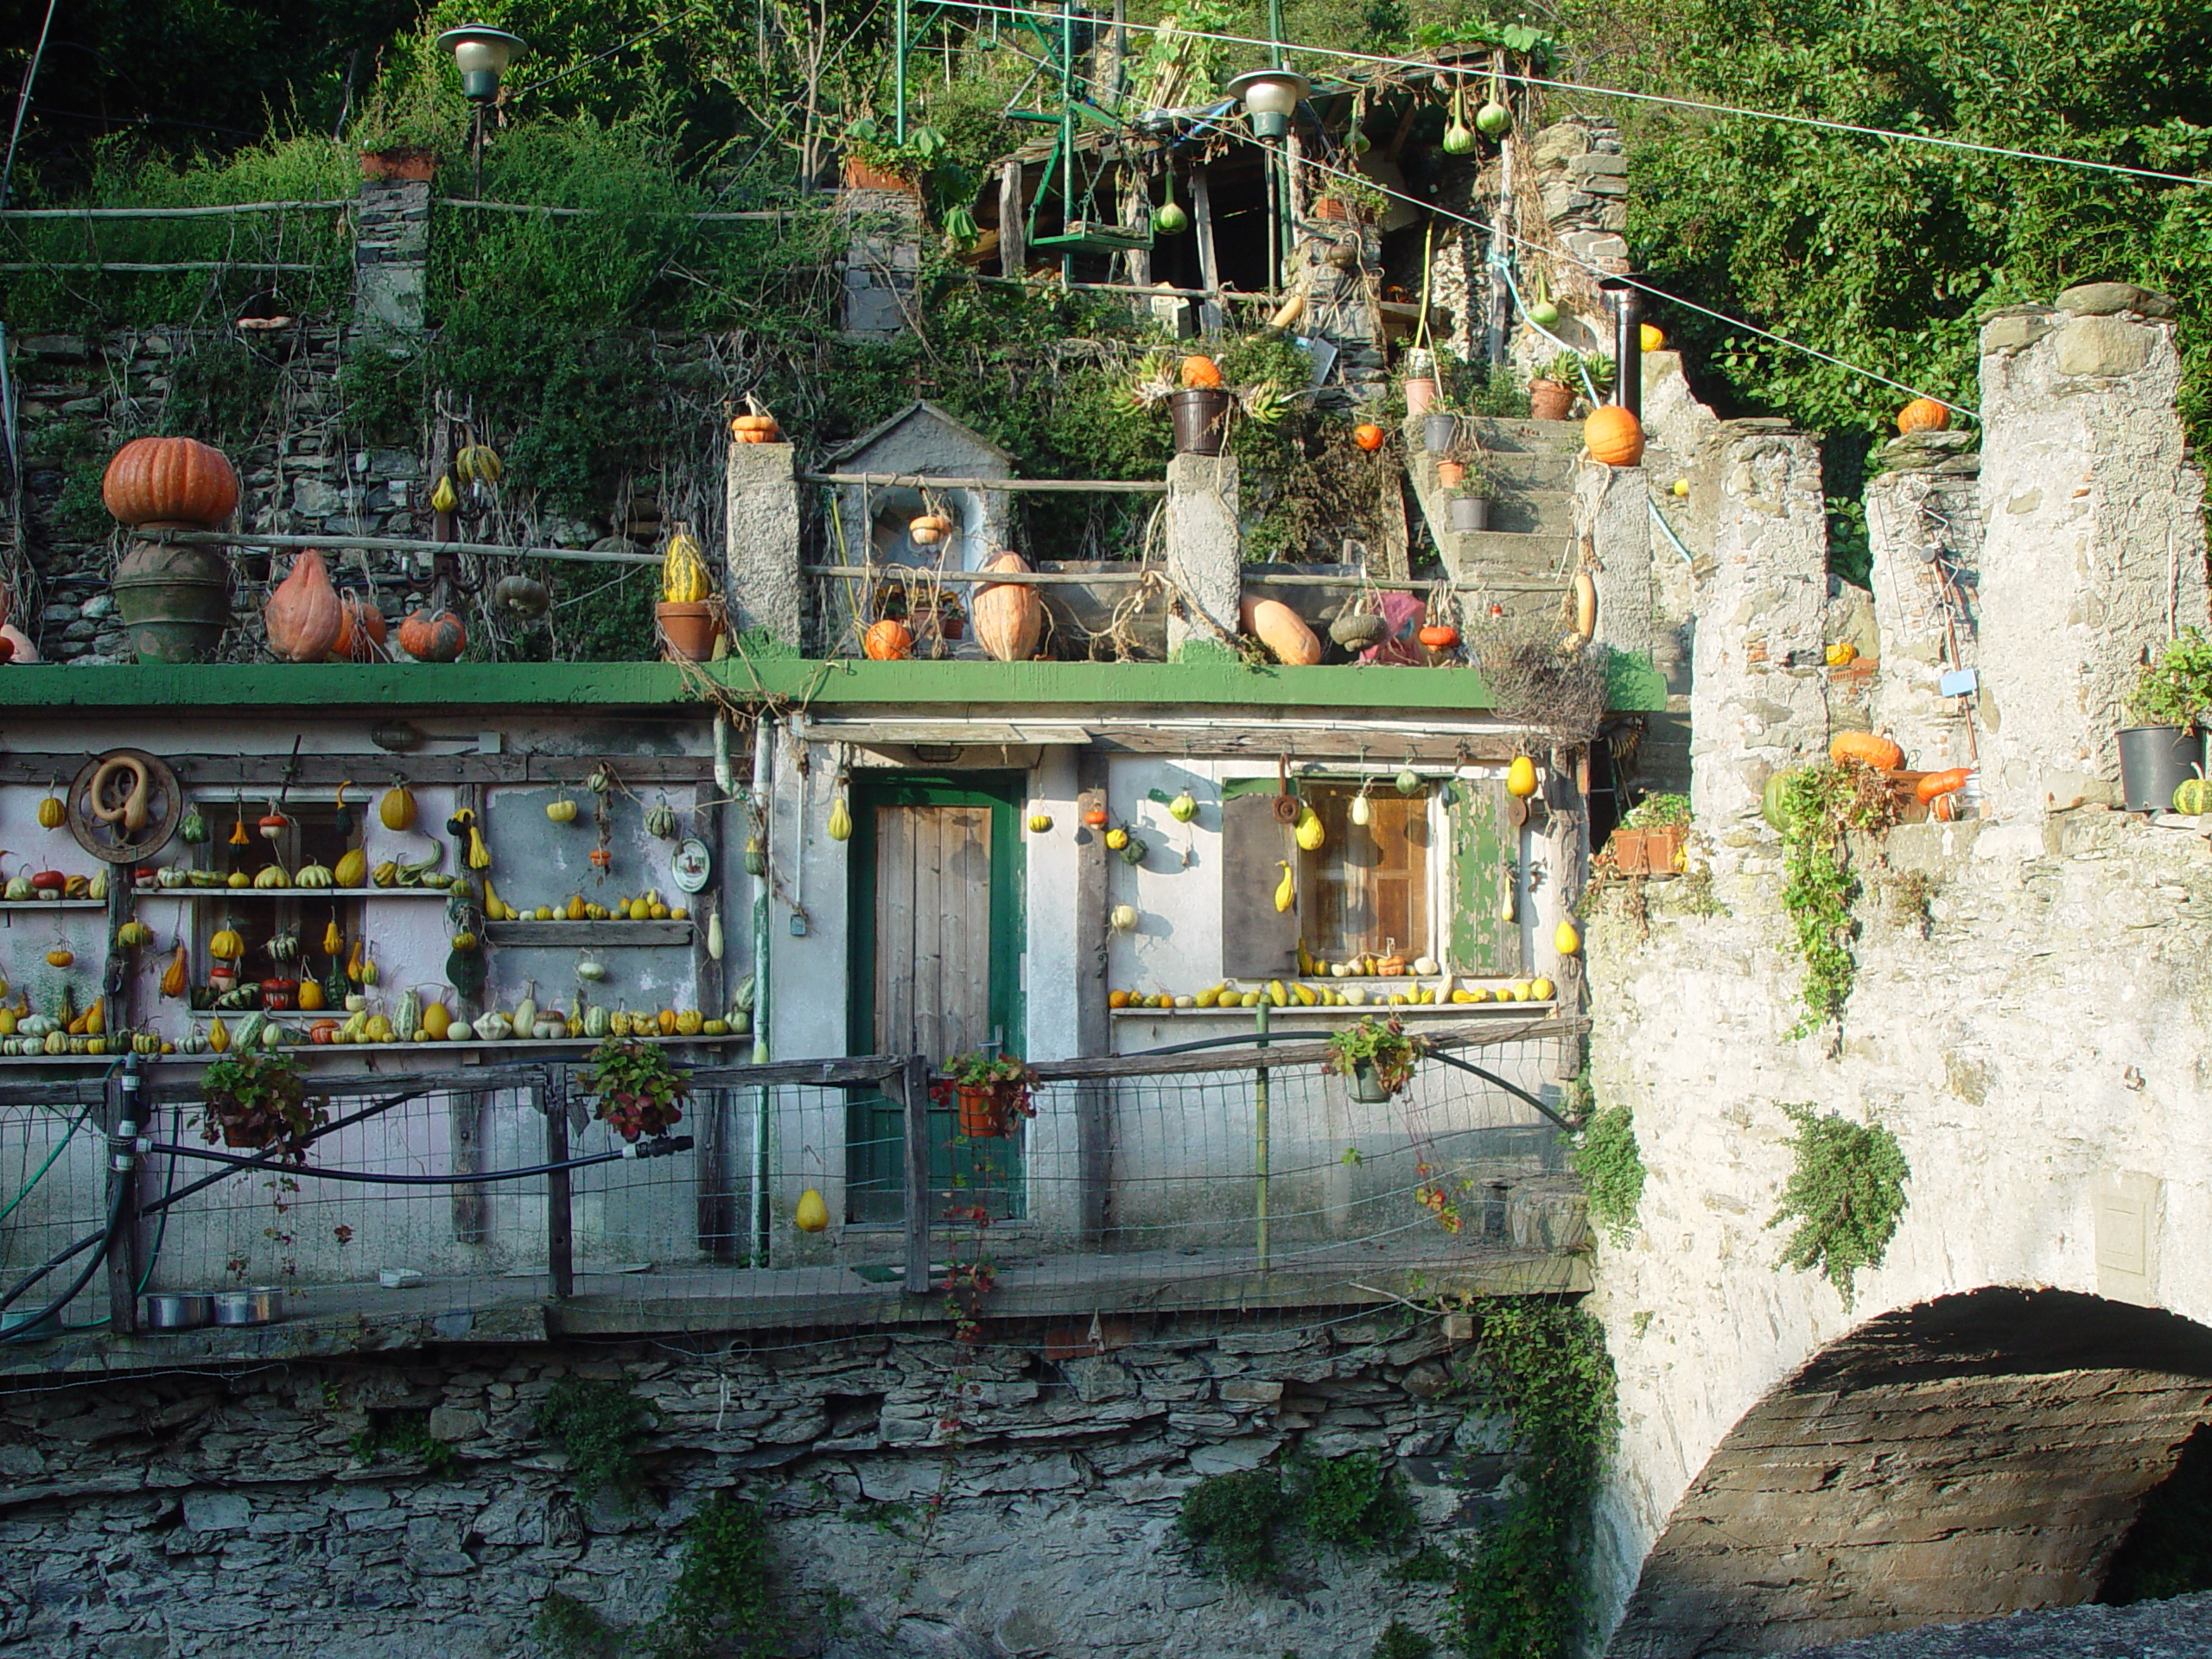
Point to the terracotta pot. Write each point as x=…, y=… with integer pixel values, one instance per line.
x=1549, y=401
x=688, y=629
x=1449, y=473
x=410, y=163
x=1421, y=392
x=860, y=175
x=1662, y=848
x=983, y=1113
x=239, y=1138
x=175, y=601
x=1631, y=856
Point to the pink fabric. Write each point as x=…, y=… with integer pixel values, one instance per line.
x=1402, y=615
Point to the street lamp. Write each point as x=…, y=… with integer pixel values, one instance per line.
x=483, y=56
x=1270, y=96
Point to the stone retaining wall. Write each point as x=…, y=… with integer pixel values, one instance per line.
x=924, y=1497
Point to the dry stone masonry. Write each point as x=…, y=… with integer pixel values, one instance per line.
x=924, y=1497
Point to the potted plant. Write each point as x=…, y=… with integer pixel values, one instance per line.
x=1200, y=400
x=405, y=124
x=995, y=1092
x=1351, y=200
x=257, y=1100
x=2166, y=747
x=1376, y=1057
x=1420, y=383
x=1551, y=392
x=876, y=160
x=1650, y=839
x=1471, y=500
x=635, y=1092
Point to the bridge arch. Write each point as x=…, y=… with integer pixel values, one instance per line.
x=1960, y=1459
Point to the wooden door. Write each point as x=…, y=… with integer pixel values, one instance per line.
x=935, y=972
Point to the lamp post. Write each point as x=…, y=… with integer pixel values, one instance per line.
x=1270, y=97
x=482, y=54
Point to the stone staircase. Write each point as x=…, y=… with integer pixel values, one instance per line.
x=1524, y=560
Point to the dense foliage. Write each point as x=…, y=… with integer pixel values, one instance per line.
x=1886, y=254
x=1846, y=1193
x=1611, y=1164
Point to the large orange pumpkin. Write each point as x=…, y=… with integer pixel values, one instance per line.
x=1201, y=374
x=302, y=614
x=1866, y=748
x=1281, y=630
x=1923, y=415
x=430, y=636
x=360, y=632
x=1613, y=435
x=170, y=484
x=887, y=641
x=1009, y=617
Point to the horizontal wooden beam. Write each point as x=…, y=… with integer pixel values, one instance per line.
x=1490, y=1034
x=224, y=210
x=922, y=575
x=372, y=770
x=934, y=481
x=597, y=934
x=736, y=215
x=394, y=544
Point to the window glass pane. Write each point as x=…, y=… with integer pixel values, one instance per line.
x=312, y=837
x=1365, y=890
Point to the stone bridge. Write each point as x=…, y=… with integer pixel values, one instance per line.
x=1976, y=1431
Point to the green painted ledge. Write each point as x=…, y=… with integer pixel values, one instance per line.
x=383, y=688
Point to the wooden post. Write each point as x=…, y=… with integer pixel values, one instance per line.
x=1209, y=268
x=1012, y=230
x=1094, y=1024
x=124, y=1104
x=465, y=1108
x=717, y=1217
x=913, y=1086
x=552, y=1091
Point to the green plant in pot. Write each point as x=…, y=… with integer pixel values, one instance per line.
x=635, y=1092
x=257, y=1100
x=2166, y=747
x=895, y=162
x=1376, y=1057
x=995, y=1092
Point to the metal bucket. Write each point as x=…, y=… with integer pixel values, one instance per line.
x=178, y=1310
x=1470, y=513
x=2154, y=761
x=261, y=1305
x=1200, y=417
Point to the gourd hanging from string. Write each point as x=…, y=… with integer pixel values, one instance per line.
x=1169, y=218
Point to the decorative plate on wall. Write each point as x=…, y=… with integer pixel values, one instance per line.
x=692, y=865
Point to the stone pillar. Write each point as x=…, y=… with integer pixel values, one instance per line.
x=1758, y=704
x=1924, y=525
x=1205, y=556
x=2093, y=556
x=766, y=591
x=883, y=251
x=1613, y=529
x=392, y=253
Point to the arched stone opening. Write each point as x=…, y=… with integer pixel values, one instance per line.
x=1965, y=1458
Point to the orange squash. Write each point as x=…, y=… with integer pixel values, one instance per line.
x=754, y=428
x=1367, y=436
x=1009, y=617
x=1613, y=436
x=1923, y=415
x=1941, y=782
x=887, y=641
x=170, y=484
x=1867, y=748
x=1281, y=630
x=430, y=636
x=1201, y=374
x=1440, y=636
x=360, y=632
x=303, y=615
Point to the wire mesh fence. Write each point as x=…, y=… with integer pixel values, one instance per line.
x=805, y=1193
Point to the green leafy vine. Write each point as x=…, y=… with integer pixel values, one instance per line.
x=1846, y=1192
x=1819, y=805
x=1606, y=1157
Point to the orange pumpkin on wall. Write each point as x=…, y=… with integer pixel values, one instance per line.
x=303, y=615
x=1201, y=374
x=1923, y=415
x=887, y=641
x=170, y=484
x=1613, y=436
x=1009, y=617
x=1281, y=630
x=360, y=632
x=431, y=636
x=1867, y=748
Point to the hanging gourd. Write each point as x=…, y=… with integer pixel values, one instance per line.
x=841, y=821
x=431, y=636
x=929, y=529
x=1459, y=137
x=1281, y=630
x=660, y=822
x=303, y=615
x=1867, y=749
x=1362, y=813
x=1009, y=617
x=1438, y=636
x=1183, y=807
x=1309, y=833
x=226, y=945
x=238, y=836
x=173, y=978
x=194, y=829
x=561, y=812
x=812, y=1214
x=1286, y=889
x=1493, y=119
x=361, y=632
x=524, y=597
x=1923, y=415
x=1567, y=939
x=396, y=811
x=1521, y=778
x=1169, y=218
x=51, y=814
x=887, y=641
x=1613, y=436
x=170, y=483
x=445, y=498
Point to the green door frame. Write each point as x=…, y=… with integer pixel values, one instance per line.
x=987, y=1171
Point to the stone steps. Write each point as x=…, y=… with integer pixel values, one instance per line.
x=1530, y=465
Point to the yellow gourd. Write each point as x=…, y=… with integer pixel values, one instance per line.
x=333, y=940
x=1520, y=777
x=218, y=1035
x=684, y=572
x=174, y=977
x=226, y=945
x=1309, y=832
x=436, y=1022
x=51, y=814
x=812, y=1214
x=1286, y=890
x=351, y=870
x=396, y=811
x=1566, y=939
x=841, y=821
x=310, y=995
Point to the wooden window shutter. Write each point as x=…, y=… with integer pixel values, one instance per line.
x=1257, y=941
x=1483, y=844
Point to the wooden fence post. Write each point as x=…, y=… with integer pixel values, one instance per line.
x=124, y=1104
x=914, y=1082
x=552, y=1089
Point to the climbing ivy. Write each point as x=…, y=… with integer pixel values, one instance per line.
x=1846, y=1192
x=1237, y=1523
x=598, y=1426
x=1519, y=1593
x=721, y=1606
x=1611, y=1164
x=1819, y=805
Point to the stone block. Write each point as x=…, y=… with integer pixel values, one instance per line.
x=2107, y=299
x=1598, y=163
x=1205, y=549
x=2103, y=345
x=1094, y=1380
x=217, y=1511
x=2013, y=329
x=1228, y=1457
x=1243, y=1391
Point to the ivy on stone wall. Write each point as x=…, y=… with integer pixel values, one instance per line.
x=1846, y=1193
x=1819, y=805
x=1606, y=1155
x=1520, y=1591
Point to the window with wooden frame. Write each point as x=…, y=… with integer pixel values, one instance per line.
x=311, y=837
x=1365, y=891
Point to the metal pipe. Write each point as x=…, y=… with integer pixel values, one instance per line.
x=1628, y=350
x=1259, y=1107
x=764, y=745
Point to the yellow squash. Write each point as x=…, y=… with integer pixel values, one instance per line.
x=684, y=571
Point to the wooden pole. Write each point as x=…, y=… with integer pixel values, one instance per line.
x=552, y=1089
x=913, y=1086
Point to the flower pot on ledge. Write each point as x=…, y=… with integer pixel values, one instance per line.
x=400, y=164
x=865, y=176
x=688, y=629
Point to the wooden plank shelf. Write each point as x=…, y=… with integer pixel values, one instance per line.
x=53, y=904
x=279, y=892
x=595, y=934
